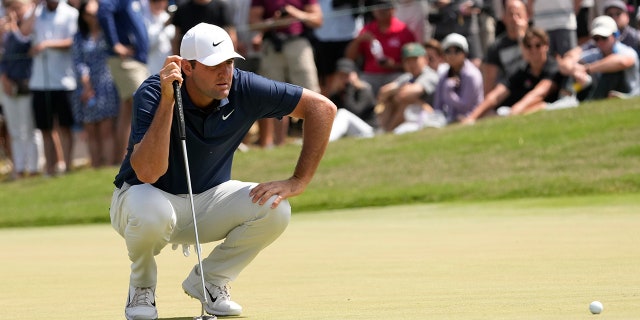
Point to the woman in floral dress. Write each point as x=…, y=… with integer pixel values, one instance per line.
x=96, y=99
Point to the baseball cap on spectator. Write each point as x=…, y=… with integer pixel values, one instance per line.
x=615, y=4
x=455, y=40
x=207, y=44
x=345, y=65
x=413, y=49
x=603, y=26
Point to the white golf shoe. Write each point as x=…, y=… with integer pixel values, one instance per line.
x=141, y=304
x=218, y=298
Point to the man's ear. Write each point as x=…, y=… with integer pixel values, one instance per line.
x=186, y=67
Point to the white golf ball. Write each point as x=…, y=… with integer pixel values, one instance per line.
x=595, y=307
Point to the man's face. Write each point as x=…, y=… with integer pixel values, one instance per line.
x=210, y=82
x=605, y=44
x=414, y=65
x=621, y=17
x=455, y=57
x=515, y=14
x=535, y=50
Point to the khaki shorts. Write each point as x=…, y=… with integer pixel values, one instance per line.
x=128, y=75
x=294, y=64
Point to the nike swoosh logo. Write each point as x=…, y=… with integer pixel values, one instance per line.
x=216, y=44
x=224, y=117
x=211, y=296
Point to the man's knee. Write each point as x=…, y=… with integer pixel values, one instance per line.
x=151, y=216
x=281, y=215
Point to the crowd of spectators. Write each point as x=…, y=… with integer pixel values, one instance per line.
x=391, y=66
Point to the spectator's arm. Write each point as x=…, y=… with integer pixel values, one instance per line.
x=387, y=91
x=107, y=23
x=569, y=64
x=496, y=96
x=255, y=19
x=611, y=63
x=27, y=26
x=61, y=44
x=409, y=93
x=489, y=76
x=353, y=48
x=311, y=16
x=530, y=7
x=533, y=97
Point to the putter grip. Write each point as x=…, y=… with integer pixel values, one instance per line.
x=179, y=110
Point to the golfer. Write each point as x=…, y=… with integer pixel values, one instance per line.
x=150, y=206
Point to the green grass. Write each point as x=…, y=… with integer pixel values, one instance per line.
x=590, y=150
x=506, y=259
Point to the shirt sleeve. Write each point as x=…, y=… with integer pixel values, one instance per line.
x=273, y=99
x=106, y=10
x=145, y=104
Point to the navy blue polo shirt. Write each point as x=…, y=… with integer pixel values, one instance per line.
x=211, y=138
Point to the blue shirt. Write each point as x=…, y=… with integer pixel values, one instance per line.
x=122, y=21
x=211, y=139
x=591, y=54
x=16, y=62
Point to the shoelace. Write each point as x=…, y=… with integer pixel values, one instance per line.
x=142, y=297
x=223, y=292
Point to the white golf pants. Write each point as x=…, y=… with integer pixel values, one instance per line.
x=348, y=124
x=22, y=130
x=149, y=218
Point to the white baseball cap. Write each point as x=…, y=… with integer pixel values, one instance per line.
x=455, y=40
x=603, y=26
x=207, y=44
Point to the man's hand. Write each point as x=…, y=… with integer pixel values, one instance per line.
x=283, y=189
x=168, y=74
x=123, y=51
x=36, y=49
x=468, y=120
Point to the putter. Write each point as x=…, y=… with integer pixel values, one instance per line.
x=183, y=138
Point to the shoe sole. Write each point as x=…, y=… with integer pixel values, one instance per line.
x=136, y=318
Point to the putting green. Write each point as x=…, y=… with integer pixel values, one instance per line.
x=529, y=259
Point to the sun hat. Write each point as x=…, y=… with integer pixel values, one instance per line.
x=455, y=40
x=412, y=50
x=603, y=26
x=207, y=44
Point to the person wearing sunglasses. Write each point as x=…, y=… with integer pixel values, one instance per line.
x=531, y=87
x=612, y=66
x=619, y=12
